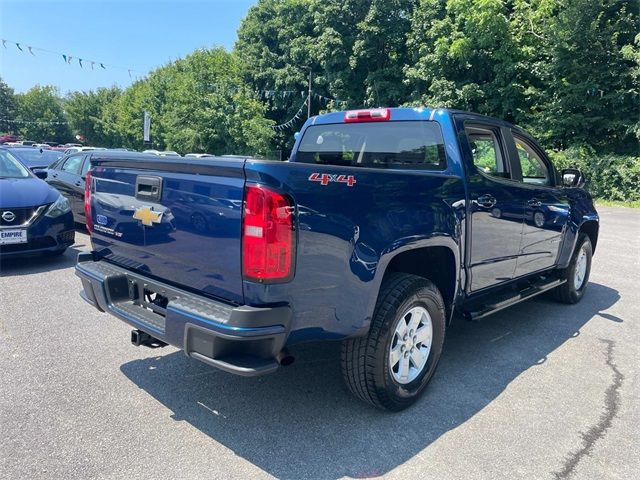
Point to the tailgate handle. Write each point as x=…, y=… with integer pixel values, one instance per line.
x=148, y=188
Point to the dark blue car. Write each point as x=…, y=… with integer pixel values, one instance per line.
x=34, y=217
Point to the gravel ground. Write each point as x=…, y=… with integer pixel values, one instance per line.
x=541, y=390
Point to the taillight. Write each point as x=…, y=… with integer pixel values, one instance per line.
x=371, y=115
x=87, y=201
x=267, y=235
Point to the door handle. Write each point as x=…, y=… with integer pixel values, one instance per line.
x=534, y=202
x=486, y=201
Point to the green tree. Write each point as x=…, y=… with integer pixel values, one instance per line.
x=41, y=116
x=197, y=104
x=123, y=118
x=380, y=51
x=464, y=56
x=209, y=107
x=355, y=49
x=587, y=63
x=85, y=110
x=275, y=42
x=7, y=107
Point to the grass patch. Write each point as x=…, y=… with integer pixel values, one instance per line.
x=600, y=202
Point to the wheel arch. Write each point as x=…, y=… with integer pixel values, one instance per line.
x=436, y=261
x=591, y=228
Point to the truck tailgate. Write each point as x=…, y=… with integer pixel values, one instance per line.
x=172, y=219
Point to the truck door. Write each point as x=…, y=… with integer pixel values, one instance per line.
x=546, y=206
x=496, y=209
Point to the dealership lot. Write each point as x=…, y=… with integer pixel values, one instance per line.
x=541, y=390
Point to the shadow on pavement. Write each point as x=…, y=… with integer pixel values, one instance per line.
x=28, y=265
x=301, y=422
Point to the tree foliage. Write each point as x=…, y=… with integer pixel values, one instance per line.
x=197, y=104
x=85, y=112
x=41, y=116
x=568, y=70
x=7, y=106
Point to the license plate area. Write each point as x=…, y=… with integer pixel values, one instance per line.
x=13, y=236
x=147, y=296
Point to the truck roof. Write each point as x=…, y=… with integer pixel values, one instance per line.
x=410, y=113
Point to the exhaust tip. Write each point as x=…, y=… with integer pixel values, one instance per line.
x=285, y=359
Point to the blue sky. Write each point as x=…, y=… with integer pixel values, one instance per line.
x=135, y=34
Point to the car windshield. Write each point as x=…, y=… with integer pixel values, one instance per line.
x=10, y=167
x=401, y=145
x=31, y=157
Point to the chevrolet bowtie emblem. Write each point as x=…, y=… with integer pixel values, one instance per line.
x=147, y=216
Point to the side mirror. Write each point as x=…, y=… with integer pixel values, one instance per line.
x=572, y=178
x=41, y=174
x=296, y=135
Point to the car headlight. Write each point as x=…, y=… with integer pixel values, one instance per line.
x=59, y=207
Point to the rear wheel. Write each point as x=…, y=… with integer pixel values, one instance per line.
x=391, y=366
x=199, y=223
x=577, y=273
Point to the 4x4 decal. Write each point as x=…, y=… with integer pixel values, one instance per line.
x=326, y=178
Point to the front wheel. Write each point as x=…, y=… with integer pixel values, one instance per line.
x=577, y=273
x=391, y=366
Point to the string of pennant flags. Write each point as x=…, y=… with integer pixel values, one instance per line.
x=95, y=64
x=35, y=122
x=67, y=58
x=292, y=121
x=291, y=93
x=85, y=62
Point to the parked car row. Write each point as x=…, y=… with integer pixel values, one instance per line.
x=56, y=176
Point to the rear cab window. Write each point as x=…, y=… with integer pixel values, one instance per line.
x=406, y=145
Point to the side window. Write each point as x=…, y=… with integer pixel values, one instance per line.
x=534, y=170
x=86, y=166
x=57, y=164
x=487, y=154
x=72, y=165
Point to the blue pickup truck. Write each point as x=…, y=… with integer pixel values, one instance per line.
x=383, y=225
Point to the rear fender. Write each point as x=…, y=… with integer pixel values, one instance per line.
x=414, y=244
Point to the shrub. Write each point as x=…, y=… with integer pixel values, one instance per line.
x=610, y=177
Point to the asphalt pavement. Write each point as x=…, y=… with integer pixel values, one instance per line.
x=541, y=391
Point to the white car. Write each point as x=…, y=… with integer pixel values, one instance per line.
x=199, y=155
x=164, y=153
x=81, y=149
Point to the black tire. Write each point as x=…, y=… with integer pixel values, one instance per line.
x=199, y=223
x=567, y=292
x=365, y=360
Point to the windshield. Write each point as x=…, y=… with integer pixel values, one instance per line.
x=10, y=167
x=402, y=145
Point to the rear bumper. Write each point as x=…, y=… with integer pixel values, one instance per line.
x=239, y=339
